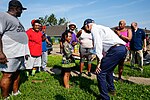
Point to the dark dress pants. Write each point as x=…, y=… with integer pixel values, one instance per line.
x=108, y=64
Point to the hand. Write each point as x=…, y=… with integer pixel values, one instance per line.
x=98, y=69
x=74, y=43
x=144, y=49
x=27, y=56
x=117, y=32
x=3, y=59
x=80, y=42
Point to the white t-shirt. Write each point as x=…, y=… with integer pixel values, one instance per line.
x=14, y=38
x=86, y=40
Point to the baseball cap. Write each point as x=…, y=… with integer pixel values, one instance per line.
x=16, y=3
x=35, y=21
x=87, y=21
x=32, y=22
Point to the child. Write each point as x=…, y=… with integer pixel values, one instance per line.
x=68, y=61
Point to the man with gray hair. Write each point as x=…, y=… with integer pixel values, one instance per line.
x=108, y=42
x=137, y=45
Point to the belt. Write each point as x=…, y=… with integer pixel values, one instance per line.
x=116, y=45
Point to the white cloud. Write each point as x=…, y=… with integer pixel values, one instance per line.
x=91, y=3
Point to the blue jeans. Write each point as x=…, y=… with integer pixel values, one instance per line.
x=108, y=64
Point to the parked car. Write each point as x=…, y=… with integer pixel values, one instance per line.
x=49, y=46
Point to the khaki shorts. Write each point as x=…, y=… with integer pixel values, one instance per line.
x=13, y=65
x=33, y=62
x=85, y=54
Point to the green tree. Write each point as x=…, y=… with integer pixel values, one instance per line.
x=43, y=20
x=61, y=21
x=52, y=20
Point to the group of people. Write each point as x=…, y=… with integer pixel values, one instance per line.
x=20, y=49
x=111, y=48
x=85, y=42
x=37, y=38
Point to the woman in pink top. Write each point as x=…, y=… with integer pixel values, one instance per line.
x=126, y=35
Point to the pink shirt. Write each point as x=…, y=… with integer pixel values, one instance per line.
x=125, y=33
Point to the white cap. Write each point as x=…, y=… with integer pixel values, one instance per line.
x=72, y=24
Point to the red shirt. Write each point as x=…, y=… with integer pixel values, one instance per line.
x=35, y=42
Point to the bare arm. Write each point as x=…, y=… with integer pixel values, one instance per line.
x=144, y=46
x=79, y=34
x=125, y=38
x=1, y=46
x=3, y=58
x=48, y=41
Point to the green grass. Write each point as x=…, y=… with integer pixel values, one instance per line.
x=55, y=61
x=51, y=87
x=134, y=72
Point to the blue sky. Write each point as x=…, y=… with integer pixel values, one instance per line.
x=104, y=12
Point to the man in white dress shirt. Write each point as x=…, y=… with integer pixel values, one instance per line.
x=105, y=40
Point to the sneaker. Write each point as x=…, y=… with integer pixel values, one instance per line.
x=27, y=73
x=141, y=69
x=17, y=93
x=80, y=74
x=7, y=98
x=43, y=69
x=114, y=74
x=33, y=72
x=89, y=74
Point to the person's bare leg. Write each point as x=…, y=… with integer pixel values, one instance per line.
x=89, y=67
x=66, y=79
x=16, y=79
x=5, y=84
x=81, y=66
x=120, y=70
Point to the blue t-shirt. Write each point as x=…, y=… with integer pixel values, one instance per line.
x=44, y=44
x=138, y=37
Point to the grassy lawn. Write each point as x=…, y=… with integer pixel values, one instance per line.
x=50, y=87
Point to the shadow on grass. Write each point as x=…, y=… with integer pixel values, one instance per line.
x=75, y=81
x=59, y=97
x=127, y=65
x=84, y=84
x=56, y=69
x=23, y=77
